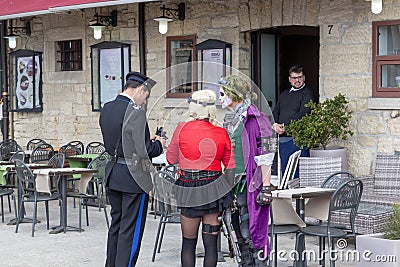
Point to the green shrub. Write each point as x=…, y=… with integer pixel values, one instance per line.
x=328, y=120
x=392, y=225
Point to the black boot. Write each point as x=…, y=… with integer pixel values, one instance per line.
x=247, y=255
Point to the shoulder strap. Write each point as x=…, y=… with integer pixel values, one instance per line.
x=116, y=148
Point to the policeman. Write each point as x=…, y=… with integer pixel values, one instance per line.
x=127, y=139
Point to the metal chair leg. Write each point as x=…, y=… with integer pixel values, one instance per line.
x=156, y=244
x=34, y=218
x=85, y=201
x=2, y=210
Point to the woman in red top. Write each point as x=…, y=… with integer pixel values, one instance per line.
x=202, y=151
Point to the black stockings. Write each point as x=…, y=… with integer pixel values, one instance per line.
x=190, y=228
x=210, y=249
x=188, y=253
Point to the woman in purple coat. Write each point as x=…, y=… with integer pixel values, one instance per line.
x=249, y=130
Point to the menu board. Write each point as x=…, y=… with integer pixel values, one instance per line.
x=213, y=70
x=110, y=72
x=28, y=78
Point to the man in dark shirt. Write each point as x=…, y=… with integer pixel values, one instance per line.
x=127, y=139
x=290, y=106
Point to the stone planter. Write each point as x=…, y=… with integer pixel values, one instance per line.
x=332, y=152
x=374, y=250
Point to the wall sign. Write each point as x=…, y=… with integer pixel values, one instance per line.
x=214, y=61
x=110, y=64
x=26, y=81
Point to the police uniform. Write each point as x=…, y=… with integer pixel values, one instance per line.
x=126, y=137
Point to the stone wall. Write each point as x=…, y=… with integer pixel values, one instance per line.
x=67, y=112
x=345, y=64
x=345, y=56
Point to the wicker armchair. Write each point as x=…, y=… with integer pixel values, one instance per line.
x=314, y=171
x=384, y=186
x=381, y=190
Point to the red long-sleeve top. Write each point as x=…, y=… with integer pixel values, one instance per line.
x=199, y=145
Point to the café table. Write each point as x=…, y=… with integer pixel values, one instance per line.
x=43, y=177
x=300, y=195
x=82, y=161
x=10, y=167
x=160, y=161
x=3, y=172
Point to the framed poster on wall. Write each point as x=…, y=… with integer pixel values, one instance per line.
x=214, y=59
x=25, y=81
x=110, y=64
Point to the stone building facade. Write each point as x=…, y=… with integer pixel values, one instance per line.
x=345, y=64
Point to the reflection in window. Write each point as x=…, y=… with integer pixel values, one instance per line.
x=390, y=76
x=389, y=40
x=386, y=58
x=180, y=53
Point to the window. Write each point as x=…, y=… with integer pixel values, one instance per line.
x=386, y=59
x=69, y=55
x=180, y=57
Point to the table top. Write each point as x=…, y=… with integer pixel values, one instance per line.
x=64, y=171
x=161, y=159
x=83, y=157
x=6, y=162
x=30, y=165
x=303, y=192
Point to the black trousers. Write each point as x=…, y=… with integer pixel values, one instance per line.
x=128, y=217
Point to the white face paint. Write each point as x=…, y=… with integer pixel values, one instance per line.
x=224, y=98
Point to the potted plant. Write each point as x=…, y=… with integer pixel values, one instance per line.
x=381, y=249
x=328, y=121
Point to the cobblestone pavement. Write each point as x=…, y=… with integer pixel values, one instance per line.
x=88, y=248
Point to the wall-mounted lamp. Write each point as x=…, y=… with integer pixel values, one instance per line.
x=15, y=32
x=376, y=6
x=168, y=15
x=101, y=22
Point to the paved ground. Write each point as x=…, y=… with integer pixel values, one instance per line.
x=88, y=248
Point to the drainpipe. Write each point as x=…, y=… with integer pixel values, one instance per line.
x=142, y=39
x=3, y=79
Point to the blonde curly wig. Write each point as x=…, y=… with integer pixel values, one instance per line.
x=202, y=106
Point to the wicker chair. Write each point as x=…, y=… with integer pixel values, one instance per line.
x=313, y=171
x=380, y=192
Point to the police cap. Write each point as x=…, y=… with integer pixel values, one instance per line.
x=140, y=78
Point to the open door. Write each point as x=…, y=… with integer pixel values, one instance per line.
x=275, y=50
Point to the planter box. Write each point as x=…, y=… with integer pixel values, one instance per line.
x=332, y=152
x=376, y=251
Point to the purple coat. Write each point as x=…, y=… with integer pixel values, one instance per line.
x=256, y=124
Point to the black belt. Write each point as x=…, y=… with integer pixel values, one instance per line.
x=198, y=174
x=124, y=161
x=144, y=164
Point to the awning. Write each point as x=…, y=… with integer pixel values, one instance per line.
x=11, y=9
